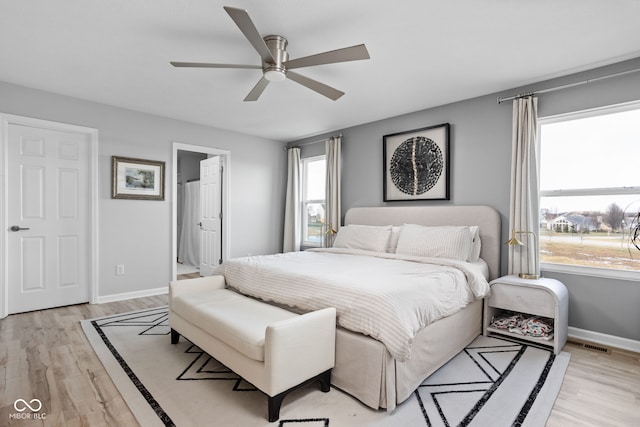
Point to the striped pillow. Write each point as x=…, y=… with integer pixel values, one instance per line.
x=393, y=238
x=440, y=242
x=476, y=244
x=365, y=237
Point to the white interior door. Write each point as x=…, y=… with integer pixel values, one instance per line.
x=48, y=213
x=211, y=214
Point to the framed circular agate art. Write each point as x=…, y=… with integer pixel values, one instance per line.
x=416, y=164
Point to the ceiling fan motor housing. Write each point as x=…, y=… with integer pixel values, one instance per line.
x=275, y=72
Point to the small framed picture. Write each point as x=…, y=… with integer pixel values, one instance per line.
x=137, y=179
x=416, y=164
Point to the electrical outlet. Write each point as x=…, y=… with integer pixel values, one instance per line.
x=120, y=270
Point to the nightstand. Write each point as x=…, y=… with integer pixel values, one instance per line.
x=540, y=297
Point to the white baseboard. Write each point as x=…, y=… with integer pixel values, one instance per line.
x=605, y=339
x=132, y=295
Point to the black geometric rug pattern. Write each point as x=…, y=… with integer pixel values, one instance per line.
x=205, y=367
x=151, y=322
x=439, y=402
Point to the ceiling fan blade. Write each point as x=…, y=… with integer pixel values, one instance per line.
x=315, y=85
x=243, y=21
x=209, y=65
x=257, y=90
x=353, y=53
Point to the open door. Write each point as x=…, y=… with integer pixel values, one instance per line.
x=211, y=215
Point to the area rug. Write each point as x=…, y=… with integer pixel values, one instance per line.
x=491, y=383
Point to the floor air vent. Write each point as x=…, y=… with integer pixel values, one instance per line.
x=591, y=346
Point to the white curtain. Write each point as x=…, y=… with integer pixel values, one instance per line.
x=189, y=247
x=524, y=205
x=333, y=148
x=292, y=224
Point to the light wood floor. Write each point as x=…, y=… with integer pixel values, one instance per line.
x=45, y=355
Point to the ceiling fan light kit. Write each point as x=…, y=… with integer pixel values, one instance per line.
x=275, y=59
x=274, y=74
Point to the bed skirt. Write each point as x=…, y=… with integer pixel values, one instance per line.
x=366, y=370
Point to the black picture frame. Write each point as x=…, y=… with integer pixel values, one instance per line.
x=416, y=164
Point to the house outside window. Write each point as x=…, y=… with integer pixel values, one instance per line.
x=313, y=200
x=590, y=192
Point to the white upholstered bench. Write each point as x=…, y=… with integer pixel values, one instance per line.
x=275, y=350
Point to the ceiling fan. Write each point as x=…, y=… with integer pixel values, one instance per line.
x=276, y=65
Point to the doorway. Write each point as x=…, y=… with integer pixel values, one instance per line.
x=188, y=212
x=49, y=238
x=190, y=256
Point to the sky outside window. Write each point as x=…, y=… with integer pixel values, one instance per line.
x=315, y=180
x=590, y=152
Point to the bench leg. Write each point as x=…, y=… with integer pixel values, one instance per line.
x=275, y=402
x=175, y=336
x=325, y=381
x=274, y=405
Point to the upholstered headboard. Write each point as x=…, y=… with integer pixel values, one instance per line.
x=486, y=217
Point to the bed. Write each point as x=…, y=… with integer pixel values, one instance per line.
x=383, y=356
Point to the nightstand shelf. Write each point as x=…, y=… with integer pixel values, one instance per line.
x=538, y=297
x=542, y=341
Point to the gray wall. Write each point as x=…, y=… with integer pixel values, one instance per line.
x=480, y=174
x=138, y=233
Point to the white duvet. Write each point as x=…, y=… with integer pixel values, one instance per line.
x=389, y=297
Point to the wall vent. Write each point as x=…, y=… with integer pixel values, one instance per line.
x=591, y=346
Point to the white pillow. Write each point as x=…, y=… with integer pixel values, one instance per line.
x=440, y=242
x=393, y=238
x=366, y=237
x=476, y=244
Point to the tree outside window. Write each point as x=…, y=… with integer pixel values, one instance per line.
x=313, y=200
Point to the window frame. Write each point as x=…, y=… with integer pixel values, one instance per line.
x=304, y=202
x=591, y=271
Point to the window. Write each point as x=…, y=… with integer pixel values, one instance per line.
x=590, y=191
x=313, y=200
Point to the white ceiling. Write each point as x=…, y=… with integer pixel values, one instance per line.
x=424, y=53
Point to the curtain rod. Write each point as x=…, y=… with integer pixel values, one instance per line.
x=552, y=89
x=314, y=142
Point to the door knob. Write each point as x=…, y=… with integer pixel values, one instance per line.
x=17, y=228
